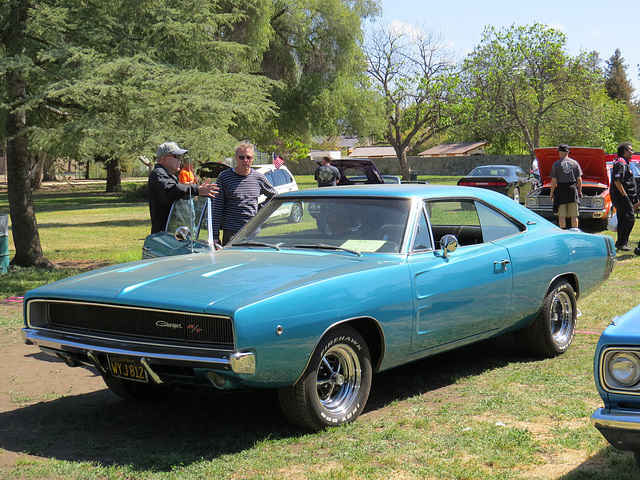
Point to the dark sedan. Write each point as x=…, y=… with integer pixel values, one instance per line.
x=510, y=180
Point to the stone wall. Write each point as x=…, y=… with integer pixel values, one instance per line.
x=457, y=166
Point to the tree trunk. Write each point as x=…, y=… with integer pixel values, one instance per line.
x=114, y=176
x=21, y=208
x=36, y=173
x=49, y=169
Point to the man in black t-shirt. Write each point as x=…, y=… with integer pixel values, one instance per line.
x=624, y=196
x=326, y=174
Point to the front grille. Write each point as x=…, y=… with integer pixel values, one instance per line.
x=150, y=324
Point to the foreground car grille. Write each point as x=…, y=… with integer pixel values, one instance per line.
x=128, y=321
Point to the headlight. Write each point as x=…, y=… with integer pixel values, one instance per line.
x=598, y=202
x=624, y=369
x=532, y=201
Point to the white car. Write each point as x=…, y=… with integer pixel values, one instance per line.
x=283, y=181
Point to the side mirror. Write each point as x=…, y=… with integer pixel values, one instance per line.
x=182, y=234
x=449, y=244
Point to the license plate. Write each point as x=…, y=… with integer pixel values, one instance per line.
x=128, y=368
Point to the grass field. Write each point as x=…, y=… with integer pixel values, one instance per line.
x=483, y=412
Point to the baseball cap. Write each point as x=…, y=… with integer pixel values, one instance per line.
x=170, y=148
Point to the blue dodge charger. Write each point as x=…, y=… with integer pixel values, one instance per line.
x=366, y=279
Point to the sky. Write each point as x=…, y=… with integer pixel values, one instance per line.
x=588, y=24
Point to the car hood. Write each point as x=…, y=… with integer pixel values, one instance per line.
x=591, y=160
x=219, y=282
x=624, y=330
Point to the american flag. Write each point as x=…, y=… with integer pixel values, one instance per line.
x=277, y=161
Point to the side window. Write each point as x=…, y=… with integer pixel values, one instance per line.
x=422, y=238
x=278, y=178
x=455, y=217
x=495, y=225
x=270, y=178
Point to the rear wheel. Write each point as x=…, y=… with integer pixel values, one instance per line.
x=335, y=386
x=551, y=332
x=137, y=391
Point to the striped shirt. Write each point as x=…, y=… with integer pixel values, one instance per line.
x=237, y=199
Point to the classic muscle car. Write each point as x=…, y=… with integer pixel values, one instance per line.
x=595, y=203
x=393, y=274
x=616, y=369
x=510, y=180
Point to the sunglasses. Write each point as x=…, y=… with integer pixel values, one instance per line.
x=179, y=157
x=243, y=157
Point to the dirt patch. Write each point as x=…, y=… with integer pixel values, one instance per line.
x=25, y=379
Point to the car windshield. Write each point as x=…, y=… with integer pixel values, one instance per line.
x=488, y=172
x=357, y=225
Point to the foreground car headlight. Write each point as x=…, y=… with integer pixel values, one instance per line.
x=624, y=369
x=598, y=202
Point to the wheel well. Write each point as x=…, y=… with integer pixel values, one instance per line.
x=373, y=336
x=569, y=277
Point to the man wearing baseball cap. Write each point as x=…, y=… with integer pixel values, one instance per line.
x=164, y=187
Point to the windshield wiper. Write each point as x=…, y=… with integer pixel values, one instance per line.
x=324, y=246
x=255, y=244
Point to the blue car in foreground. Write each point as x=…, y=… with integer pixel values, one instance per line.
x=371, y=277
x=616, y=371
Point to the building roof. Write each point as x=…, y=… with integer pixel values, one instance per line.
x=372, y=152
x=452, y=149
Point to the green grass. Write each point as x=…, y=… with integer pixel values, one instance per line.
x=484, y=412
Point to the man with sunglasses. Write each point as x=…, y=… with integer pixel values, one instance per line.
x=239, y=190
x=164, y=187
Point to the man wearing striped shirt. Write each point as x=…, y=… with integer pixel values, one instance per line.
x=237, y=200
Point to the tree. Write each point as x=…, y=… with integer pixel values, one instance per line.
x=315, y=55
x=112, y=80
x=413, y=74
x=520, y=79
x=21, y=206
x=617, y=84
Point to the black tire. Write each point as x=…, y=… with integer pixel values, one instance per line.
x=136, y=391
x=516, y=194
x=296, y=213
x=335, y=386
x=551, y=332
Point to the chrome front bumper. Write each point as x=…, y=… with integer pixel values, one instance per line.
x=78, y=349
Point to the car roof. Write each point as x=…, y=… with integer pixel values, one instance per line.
x=397, y=190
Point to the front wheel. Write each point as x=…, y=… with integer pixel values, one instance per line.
x=551, y=332
x=296, y=213
x=335, y=386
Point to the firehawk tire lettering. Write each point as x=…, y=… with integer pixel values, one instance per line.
x=335, y=386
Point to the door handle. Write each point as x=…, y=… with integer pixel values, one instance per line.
x=502, y=264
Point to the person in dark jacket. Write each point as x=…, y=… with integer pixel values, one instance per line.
x=164, y=187
x=566, y=187
x=624, y=196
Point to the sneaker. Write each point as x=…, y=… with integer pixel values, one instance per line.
x=637, y=250
x=623, y=247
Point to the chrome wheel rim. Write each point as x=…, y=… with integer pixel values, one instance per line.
x=296, y=212
x=338, y=379
x=561, y=318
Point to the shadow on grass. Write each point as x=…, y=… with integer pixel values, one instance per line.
x=195, y=425
x=105, y=223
